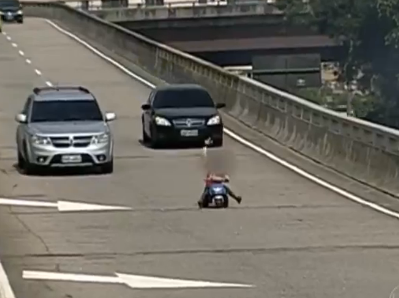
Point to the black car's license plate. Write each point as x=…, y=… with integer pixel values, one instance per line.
x=189, y=132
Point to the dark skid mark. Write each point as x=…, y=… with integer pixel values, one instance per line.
x=274, y=250
x=28, y=196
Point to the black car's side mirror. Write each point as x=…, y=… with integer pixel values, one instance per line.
x=220, y=105
x=145, y=107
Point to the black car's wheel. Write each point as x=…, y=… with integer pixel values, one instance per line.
x=21, y=21
x=218, y=143
x=144, y=137
x=154, y=140
x=107, y=168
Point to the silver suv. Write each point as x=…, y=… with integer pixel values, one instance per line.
x=63, y=127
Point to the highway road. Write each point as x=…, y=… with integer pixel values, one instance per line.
x=289, y=238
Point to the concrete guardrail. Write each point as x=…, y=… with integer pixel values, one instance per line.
x=190, y=12
x=122, y=4
x=365, y=151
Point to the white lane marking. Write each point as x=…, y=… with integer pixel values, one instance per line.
x=393, y=294
x=28, y=61
x=61, y=206
x=38, y=72
x=14, y=45
x=241, y=140
x=5, y=287
x=4, y=33
x=8, y=38
x=21, y=53
x=132, y=281
x=48, y=83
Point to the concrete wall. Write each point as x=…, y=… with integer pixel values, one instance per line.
x=365, y=151
x=193, y=12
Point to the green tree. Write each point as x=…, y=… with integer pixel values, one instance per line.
x=369, y=31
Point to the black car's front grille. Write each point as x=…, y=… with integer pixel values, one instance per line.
x=188, y=122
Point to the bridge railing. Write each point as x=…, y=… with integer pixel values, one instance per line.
x=362, y=150
x=136, y=4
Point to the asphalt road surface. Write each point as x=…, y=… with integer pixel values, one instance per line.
x=289, y=238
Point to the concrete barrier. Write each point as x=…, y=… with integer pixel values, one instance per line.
x=191, y=12
x=94, y=5
x=364, y=151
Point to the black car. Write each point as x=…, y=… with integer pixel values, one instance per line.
x=180, y=113
x=11, y=11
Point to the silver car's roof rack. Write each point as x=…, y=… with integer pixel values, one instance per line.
x=37, y=90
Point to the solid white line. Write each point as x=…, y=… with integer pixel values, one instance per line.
x=28, y=61
x=133, y=281
x=21, y=53
x=48, y=83
x=5, y=287
x=70, y=277
x=38, y=72
x=14, y=44
x=26, y=203
x=240, y=139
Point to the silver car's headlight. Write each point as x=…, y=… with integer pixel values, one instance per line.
x=162, y=121
x=214, y=120
x=38, y=140
x=100, y=139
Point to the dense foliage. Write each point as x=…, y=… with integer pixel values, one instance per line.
x=369, y=30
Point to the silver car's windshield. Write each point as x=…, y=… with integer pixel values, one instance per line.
x=68, y=110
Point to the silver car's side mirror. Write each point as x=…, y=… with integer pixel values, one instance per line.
x=21, y=118
x=110, y=117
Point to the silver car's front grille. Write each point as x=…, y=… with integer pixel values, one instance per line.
x=188, y=122
x=73, y=141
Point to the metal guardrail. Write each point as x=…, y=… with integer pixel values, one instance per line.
x=363, y=150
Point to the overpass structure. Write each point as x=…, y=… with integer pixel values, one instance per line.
x=224, y=34
x=297, y=233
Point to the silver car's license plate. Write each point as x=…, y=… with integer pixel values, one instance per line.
x=189, y=133
x=71, y=159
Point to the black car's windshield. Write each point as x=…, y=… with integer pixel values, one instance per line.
x=9, y=4
x=184, y=98
x=68, y=110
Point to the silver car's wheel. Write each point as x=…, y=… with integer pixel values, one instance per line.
x=108, y=168
x=21, y=161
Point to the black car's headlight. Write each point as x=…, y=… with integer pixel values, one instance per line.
x=162, y=121
x=215, y=120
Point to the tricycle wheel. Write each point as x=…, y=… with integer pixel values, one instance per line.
x=205, y=202
x=226, y=202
